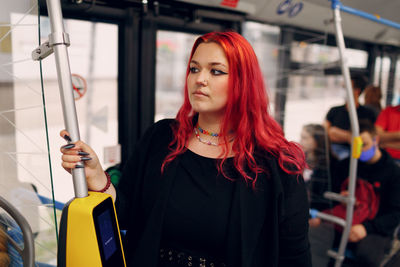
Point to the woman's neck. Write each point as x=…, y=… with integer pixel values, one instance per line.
x=210, y=123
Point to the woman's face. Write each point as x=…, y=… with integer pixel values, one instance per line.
x=307, y=141
x=207, y=81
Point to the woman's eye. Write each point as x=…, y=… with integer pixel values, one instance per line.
x=217, y=72
x=193, y=69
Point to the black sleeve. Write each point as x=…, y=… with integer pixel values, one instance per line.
x=373, y=116
x=385, y=222
x=129, y=182
x=294, y=247
x=339, y=173
x=330, y=115
x=128, y=189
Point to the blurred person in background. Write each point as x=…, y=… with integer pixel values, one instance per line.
x=388, y=128
x=372, y=99
x=313, y=141
x=370, y=238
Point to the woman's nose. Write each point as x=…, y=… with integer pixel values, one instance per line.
x=202, y=79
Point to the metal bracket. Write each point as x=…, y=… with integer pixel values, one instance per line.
x=335, y=255
x=335, y=196
x=42, y=51
x=46, y=49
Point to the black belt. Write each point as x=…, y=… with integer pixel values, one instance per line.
x=180, y=258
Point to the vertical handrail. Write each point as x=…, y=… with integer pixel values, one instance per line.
x=59, y=40
x=355, y=131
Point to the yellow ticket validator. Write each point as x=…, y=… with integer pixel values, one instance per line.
x=89, y=233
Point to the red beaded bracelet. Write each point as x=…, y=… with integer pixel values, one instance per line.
x=107, y=185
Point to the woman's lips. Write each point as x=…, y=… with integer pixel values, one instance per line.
x=199, y=93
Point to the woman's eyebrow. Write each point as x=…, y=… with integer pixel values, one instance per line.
x=211, y=63
x=217, y=64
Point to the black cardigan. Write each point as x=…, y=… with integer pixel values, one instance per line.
x=268, y=227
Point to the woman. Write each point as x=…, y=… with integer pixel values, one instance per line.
x=313, y=140
x=217, y=186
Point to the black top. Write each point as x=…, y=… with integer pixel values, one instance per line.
x=266, y=227
x=318, y=185
x=385, y=175
x=339, y=116
x=201, y=199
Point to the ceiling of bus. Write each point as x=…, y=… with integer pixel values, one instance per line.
x=316, y=14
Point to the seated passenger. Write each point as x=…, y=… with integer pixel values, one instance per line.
x=371, y=239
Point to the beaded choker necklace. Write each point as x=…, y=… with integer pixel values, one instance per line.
x=208, y=142
x=203, y=140
x=206, y=132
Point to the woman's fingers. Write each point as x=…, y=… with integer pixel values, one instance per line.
x=79, y=155
x=71, y=158
x=79, y=151
x=77, y=148
x=74, y=158
x=65, y=134
x=68, y=165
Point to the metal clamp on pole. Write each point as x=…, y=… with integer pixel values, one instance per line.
x=59, y=38
x=46, y=49
x=43, y=51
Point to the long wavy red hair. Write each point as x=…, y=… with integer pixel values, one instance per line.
x=246, y=112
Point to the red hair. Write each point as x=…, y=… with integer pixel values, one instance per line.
x=246, y=111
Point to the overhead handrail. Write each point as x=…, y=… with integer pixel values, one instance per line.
x=373, y=17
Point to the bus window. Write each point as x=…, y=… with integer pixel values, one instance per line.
x=173, y=50
x=265, y=41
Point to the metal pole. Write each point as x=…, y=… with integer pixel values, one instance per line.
x=354, y=131
x=27, y=253
x=59, y=40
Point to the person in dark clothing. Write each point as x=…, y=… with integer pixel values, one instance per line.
x=337, y=123
x=371, y=239
x=217, y=186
